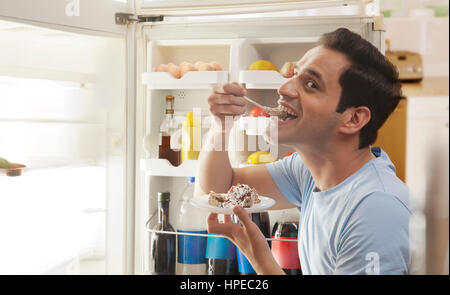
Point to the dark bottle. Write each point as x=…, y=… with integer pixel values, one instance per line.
x=286, y=253
x=167, y=129
x=263, y=222
x=162, y=246
x=220, y=257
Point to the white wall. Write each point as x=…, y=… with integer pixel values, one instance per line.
x=427, y=36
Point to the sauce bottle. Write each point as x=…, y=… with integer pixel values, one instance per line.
x=167, y=129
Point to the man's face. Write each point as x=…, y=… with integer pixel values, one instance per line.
x=313, y=94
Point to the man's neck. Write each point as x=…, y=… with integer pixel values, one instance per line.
x=329, y=167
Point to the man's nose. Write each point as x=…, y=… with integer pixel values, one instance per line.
x=288, y=89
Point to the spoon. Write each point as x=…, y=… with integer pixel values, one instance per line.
x=277, y=112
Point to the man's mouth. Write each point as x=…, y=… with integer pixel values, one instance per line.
x=285, y=113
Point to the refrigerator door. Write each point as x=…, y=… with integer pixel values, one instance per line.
x=63, y=113
x=211, y=7
x=73, y=14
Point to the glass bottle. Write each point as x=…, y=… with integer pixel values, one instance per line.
x=167, y=129
x=162, y=246
x=263, y=222
x=286, y=253
x=220, y=256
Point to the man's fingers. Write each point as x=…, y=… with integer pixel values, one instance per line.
x=243, y=216
x=227, y=99
x=227, y=110
x=235, y=89
x=227, y=218
x=230, y=88
x=214, y=227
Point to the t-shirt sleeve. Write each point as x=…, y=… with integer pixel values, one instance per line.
x=375, y=239
x=290, y=175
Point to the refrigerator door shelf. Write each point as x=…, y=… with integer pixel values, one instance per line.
x=261, y=79
x=162, y=167
x=192, y=80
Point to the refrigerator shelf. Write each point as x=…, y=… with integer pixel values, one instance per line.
x=162, y=167
x=261, y=79
x=150, y=230
x=192, y=80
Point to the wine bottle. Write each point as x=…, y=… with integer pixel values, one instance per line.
x=162, y=246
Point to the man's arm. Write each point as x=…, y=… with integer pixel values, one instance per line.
x=215, y=172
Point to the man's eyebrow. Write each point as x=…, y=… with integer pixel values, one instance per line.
x=315, y=74
x=311, y=72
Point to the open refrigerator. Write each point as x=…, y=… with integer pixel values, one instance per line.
x=91, y=145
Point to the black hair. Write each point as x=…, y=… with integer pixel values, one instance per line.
x=371, y=80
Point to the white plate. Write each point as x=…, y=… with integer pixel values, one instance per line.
x=202, y=203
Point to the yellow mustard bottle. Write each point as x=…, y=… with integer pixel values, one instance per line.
x=190, y=138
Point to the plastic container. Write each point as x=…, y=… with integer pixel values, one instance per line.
x=190, y=138
x=191, y=249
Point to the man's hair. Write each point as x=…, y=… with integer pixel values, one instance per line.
x=370, y=81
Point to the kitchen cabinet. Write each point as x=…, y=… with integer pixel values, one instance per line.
x=392, y=138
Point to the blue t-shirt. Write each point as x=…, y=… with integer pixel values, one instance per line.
x=359, y=226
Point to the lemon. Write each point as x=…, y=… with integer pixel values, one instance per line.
x=262, y=65
x=260, y=158
x=4, y=164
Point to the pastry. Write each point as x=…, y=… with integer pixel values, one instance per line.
x=240, y=194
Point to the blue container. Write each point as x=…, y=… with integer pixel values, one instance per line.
x=191, y=249
x=245, y=268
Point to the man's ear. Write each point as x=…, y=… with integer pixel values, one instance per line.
x=354, y=119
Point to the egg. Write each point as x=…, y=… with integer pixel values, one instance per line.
x=186, y=67
x=215, y=66
x=287, y=70
x=162, y=68
x=198, y=64
x=184, y=63
x=174, y=70
x=205, y=67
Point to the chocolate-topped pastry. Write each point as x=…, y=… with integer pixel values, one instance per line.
x=240, y=194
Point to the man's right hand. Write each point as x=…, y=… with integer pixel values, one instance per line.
x=248, y=238
x=227, y=100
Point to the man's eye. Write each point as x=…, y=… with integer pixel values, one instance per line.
x=311, y=84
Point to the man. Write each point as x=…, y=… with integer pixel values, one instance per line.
x=353, y=209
